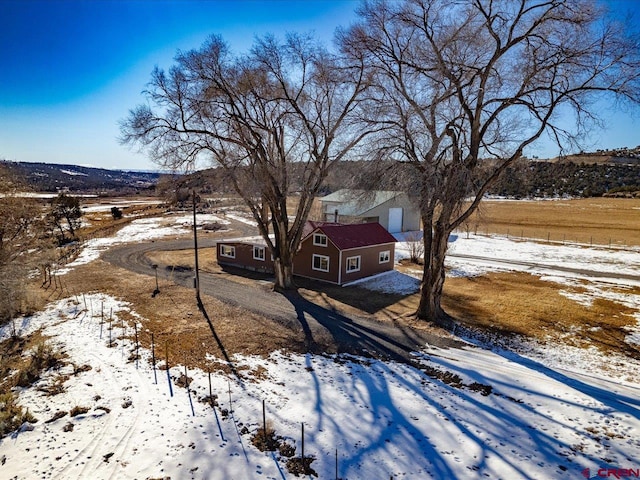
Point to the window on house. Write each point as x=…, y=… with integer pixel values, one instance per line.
x=258, y=253
x=227, y=251
x=320, y=239
x=321, y=263
x=384, y=256
x=353, y=264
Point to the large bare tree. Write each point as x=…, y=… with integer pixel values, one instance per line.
x=284, y=109
x=463, y=88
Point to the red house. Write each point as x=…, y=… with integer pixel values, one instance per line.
x=331, y=252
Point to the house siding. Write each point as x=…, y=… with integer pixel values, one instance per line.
x=303, y=261
x=369, y=264
x=244, y=257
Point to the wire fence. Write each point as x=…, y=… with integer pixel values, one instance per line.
x=555, y=238
x=119, y=334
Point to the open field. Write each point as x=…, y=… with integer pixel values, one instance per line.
x=597, y=221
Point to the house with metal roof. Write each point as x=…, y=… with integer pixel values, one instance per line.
x=330, y=252
x=394, y=210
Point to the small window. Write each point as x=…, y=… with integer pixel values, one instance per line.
x=321, y=263
x=227, y=251
x=320, y=239
x=353, y=264
x=258, y=253
x=384, y=256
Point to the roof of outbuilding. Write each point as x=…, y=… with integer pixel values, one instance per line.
x=357, y=202
x=355, y=235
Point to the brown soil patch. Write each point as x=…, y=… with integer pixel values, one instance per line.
x=177, y=324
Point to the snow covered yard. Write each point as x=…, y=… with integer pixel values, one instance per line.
x=383, y=419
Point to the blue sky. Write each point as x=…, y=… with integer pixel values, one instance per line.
x=70, y=70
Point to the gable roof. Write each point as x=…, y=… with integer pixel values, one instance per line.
x=356, y=202
x=347, y=236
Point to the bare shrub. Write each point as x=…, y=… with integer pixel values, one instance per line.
x=55, y=387
x=301, y=466
x=77, y=410
x=416, y=247
x=12, y=415
x=265, y=439
x=42, y=358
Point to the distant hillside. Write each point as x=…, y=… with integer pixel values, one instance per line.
x=587, y=175
x=614, y=173
x=48, y=177
x=567, y=178
x=623, y=156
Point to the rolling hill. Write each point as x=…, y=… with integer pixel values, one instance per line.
x=48, y=177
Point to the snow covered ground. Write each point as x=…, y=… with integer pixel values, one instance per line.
x=383, y=419
x=551, y=412
x=140, y=230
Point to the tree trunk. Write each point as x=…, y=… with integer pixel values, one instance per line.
x=282, y=259
x=435, y=243
x=284, y=275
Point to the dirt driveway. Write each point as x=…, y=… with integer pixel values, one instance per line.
x=351, y=334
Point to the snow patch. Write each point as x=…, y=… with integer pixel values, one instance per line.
x=512, y=416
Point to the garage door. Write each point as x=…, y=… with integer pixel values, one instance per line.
x=395, y=220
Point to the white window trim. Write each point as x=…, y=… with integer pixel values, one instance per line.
x=346, y=265
x=232, y=251
x=388, y=256
x=313, y=262
x=320, y=235
x=261, y=249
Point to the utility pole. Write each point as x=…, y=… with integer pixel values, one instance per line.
x=157, y=290
x=196, y=279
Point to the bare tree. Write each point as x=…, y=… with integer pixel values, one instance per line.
x=20, y=243
x=257, y=116
x=465, y=87
x=65, y=215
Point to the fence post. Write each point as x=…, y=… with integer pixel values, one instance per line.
x=210, y=391
x=153, y=359
x=264, y=422
x=135, y=327
x=166, y=352
x=186, y=381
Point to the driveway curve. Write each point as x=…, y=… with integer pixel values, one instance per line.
x=355, y=335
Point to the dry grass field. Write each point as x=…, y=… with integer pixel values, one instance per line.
x=600, y=221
